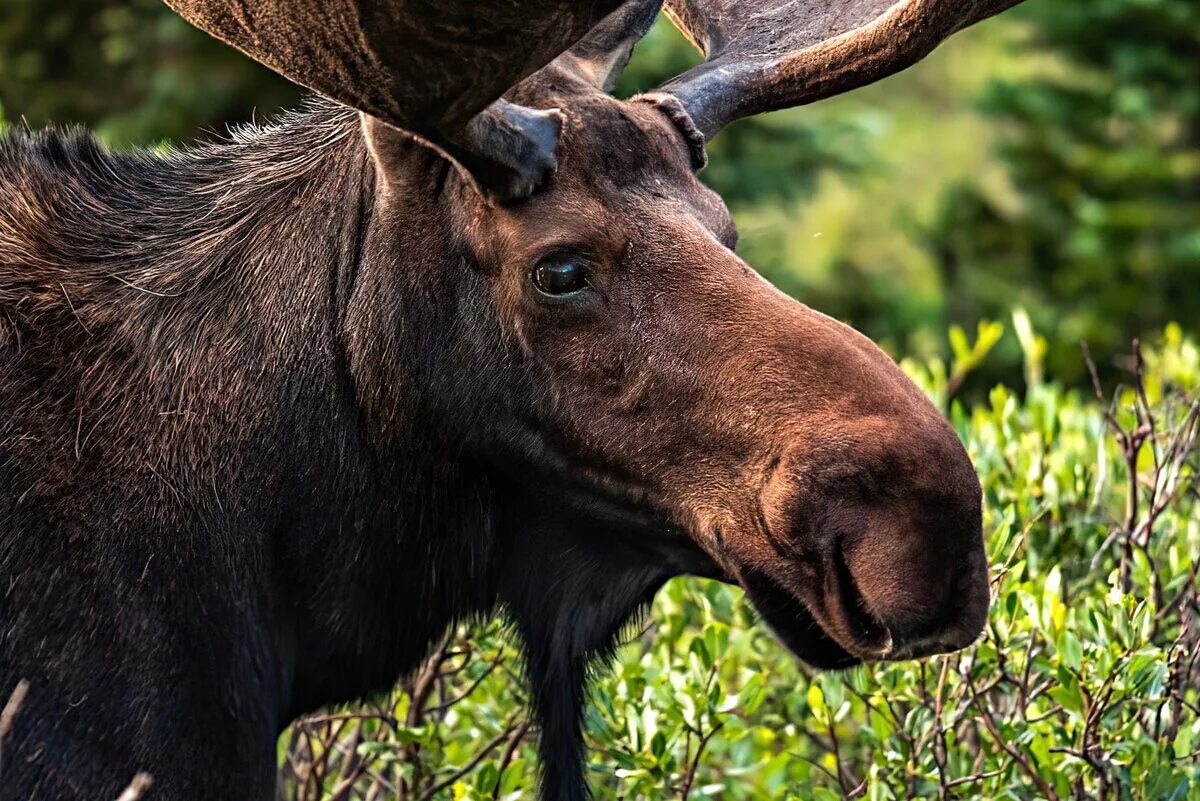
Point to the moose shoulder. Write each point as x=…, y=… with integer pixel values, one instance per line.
x=278, y=411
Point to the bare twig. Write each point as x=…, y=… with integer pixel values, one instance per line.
x=1165, y=480
x=9, y=714
x=482, y=754
x=977, y=777
x=939, y=741
x=510, y=750
x=137, y=788
x=990, y=723
x=690, y=777
x=461, y=696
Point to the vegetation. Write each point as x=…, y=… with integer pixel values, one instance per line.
x=1048, y=160
x=1084, y=686
x=1103, y=153
x=130, y=69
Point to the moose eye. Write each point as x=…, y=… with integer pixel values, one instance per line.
x=561, y=274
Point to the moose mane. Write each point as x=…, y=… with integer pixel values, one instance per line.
x=159, y=222
x=145, y=265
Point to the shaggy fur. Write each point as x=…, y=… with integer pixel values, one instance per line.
x=179, y=417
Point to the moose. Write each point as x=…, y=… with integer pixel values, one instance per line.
x=465, y=335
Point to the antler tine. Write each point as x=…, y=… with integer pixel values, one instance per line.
x=600, y=56
x=437, y=68
x=764, y=55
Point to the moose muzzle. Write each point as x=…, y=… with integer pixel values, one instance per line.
x=864, y=537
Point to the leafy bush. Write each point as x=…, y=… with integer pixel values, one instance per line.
x=1084, y=685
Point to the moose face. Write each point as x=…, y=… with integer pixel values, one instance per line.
x=672, y=383
x=625, y=345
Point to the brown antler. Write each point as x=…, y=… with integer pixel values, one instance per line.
x=436, y=68
x=764, y=55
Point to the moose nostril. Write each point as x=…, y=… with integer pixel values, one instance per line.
x=962, y=618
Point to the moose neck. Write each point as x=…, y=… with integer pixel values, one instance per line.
x=391, y=535
x=247, y=365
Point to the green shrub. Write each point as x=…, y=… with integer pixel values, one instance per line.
x=1084, y=685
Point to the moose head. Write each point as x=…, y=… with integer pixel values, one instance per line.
x=642, y=403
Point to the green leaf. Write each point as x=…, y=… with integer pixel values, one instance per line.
x=1071, y=651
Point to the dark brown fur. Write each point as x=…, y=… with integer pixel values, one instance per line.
x=278, y=411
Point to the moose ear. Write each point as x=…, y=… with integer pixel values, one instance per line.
x=515, y=134
x=435, y=68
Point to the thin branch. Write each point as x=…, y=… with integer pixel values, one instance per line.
x=482, y=754
x=690, y=777
x=510, y=750
x=990, y=723
x=978, y=777
x=137, y=788
x=11, y=708
x=444, y=705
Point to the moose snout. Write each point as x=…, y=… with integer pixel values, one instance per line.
x=960, y=618
x=864, y=537
x=884, y=552
x=916, y=561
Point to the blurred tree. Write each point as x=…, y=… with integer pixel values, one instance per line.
x=1104, y=152
x=130, y=69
